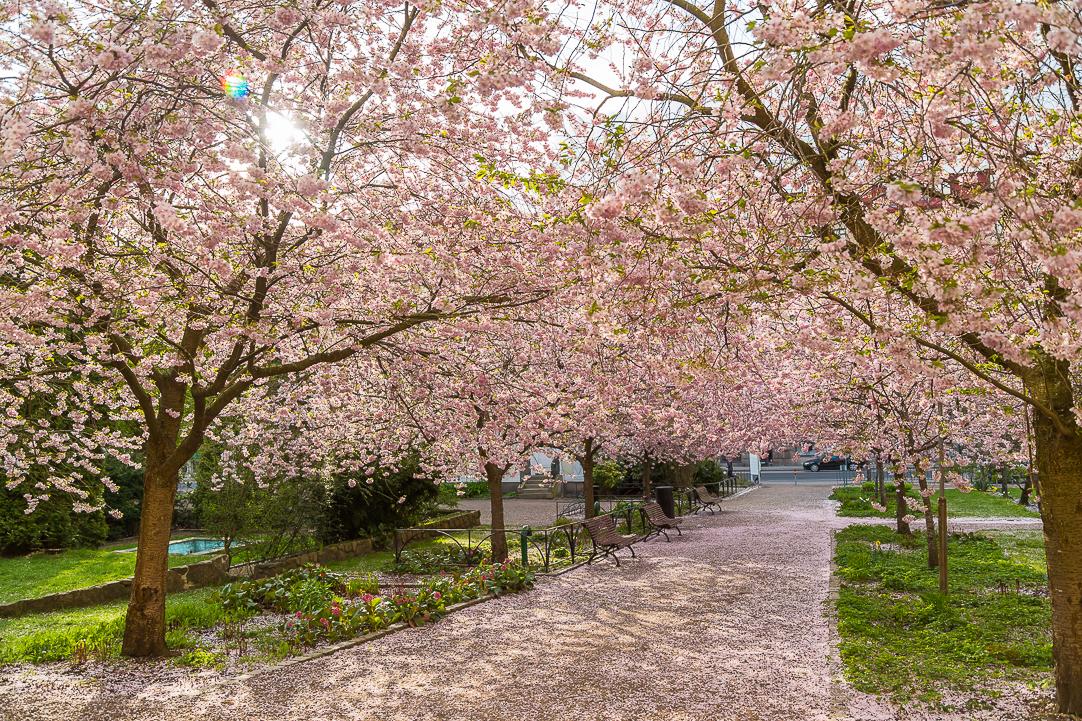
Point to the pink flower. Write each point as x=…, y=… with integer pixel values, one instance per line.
x=206, y=41
x=437, y=595
x=1062, y=40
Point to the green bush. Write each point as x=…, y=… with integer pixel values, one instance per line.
x=450, y=493
x=367, y=583
x=300, y=589
x=396, y=498
x=53, y=524
x=274, y=520
x=609, y=474
x=127, y=499
x=709, y=473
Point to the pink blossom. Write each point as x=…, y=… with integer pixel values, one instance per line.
x=206, y=41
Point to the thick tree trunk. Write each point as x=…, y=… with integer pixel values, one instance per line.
x=144, y=627
x=929, y=520
x=587, y=461
x=1059, y=465
x=494, y=475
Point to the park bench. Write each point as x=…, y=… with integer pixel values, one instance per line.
x=707, y=500
x=607, y=541
x=659, y=521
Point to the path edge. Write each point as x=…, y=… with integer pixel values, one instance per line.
x=838, y=707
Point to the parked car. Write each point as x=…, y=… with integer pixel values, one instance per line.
x=828, y=463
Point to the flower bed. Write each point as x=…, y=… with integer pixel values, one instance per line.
x=324, y=606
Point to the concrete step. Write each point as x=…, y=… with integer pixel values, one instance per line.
x=536, y=493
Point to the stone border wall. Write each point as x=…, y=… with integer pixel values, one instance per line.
x=460, y=520
x=181, y=578
x=349, y=549
x=333, y=552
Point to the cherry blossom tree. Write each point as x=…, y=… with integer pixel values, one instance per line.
x=200, y=199
x=925, y=151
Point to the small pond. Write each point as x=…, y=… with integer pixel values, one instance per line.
x=192, y=546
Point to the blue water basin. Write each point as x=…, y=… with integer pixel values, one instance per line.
x=195, y=545
x=191, y=546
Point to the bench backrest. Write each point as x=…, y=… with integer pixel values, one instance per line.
x=705, y=495
x=656, y=514
x=602, y=529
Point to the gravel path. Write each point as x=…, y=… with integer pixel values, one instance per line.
x=728, y=622
x=517, y=512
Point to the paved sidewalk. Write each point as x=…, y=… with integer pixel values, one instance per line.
x=727, y=623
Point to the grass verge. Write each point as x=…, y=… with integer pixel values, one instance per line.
x=96, y=631
x=856, y=502
x=40, y=574
x=899, y=636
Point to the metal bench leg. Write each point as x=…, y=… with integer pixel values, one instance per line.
x=632, y=549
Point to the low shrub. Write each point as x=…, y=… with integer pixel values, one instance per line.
x=423, y=562
x=302, y=589
x=344, y=618
x=200, y=658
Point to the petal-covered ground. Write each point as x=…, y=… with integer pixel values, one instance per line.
x=729, y=621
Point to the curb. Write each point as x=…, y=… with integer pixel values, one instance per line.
x=350, y=643
x=838, y=708
x=742, y=492
x=562, y=571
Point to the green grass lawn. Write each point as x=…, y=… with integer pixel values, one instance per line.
x=44, y=573
x=54, y=636
x=900, y=637
x=856, y=502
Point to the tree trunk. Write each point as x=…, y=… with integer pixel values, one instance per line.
x=1059, y=466
x=1023, y=499
x=494, y=474
x=929, y=520
x=144, y=627
x=881, y=481
x=900, y=507
x=647, y=471
x=587, y=461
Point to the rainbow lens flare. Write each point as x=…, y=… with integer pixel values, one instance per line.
x=235, y=85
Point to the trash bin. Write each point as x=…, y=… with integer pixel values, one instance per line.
x=663, y=496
